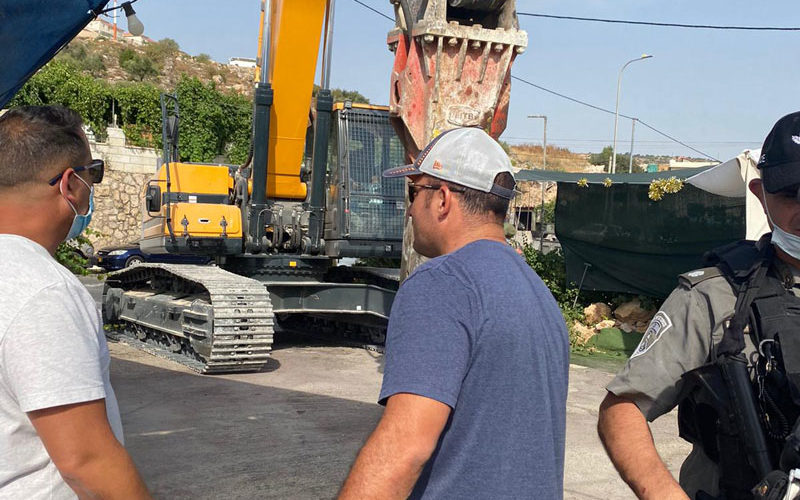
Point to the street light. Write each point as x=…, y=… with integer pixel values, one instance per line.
x=616, y=111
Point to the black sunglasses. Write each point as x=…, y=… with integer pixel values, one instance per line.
x=95, y=169
x=413, y=190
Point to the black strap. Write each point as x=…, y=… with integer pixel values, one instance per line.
x=733, y=337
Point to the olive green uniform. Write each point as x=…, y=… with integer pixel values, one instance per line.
x=678, y=341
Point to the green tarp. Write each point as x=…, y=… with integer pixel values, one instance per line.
x=625, y=242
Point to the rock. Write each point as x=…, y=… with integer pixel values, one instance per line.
x=627, y=327
x=596, y=312
x=631, y=312
x=582, y=333
x=606, y=323
x=641, y=326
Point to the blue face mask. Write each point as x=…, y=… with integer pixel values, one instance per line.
x=787, y=242
x=80, y=222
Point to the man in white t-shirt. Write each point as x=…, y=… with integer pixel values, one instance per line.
x=60, y=429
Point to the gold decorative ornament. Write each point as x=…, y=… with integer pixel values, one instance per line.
x=660, y=187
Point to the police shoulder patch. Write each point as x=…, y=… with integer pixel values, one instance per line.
x=658, y=325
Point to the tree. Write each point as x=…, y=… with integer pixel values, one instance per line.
x=139, y=111
x=61, y=83
x=136, y=65
x=343, y=95
x=212, y=123
x=604, y=158
x=76, y=55
x=162, y=49
x=202, y=58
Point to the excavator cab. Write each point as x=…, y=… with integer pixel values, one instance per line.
x=364, y=212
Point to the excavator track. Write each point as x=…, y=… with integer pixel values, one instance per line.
x=203, y=317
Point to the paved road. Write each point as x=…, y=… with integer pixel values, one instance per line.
x=292, y=430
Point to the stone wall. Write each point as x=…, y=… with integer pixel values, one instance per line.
x=118, y=199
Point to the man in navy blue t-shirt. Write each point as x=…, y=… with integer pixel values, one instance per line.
x=477, y=355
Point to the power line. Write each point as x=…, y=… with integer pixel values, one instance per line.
x=598, y=108
x=374, y=10
x=667, y=25
x=679, y=142
x=642, y=141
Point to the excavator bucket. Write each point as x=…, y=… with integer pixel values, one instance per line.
x=452, y=66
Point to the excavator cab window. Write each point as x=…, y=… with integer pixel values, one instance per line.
x=364, y=206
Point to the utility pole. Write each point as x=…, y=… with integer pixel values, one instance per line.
x=630, y=159
x=115, y=19
x=544, y=140
x=541, y=183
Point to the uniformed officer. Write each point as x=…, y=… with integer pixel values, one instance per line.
x=689, y=329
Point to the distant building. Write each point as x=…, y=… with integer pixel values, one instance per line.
x=98, y=27
x=242, y=62
x=684, y=163
x=134, y=39
x=105, y=29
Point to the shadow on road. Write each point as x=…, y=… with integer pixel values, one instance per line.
x=198, y=437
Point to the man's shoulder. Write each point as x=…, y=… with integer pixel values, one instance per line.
x=27, y=269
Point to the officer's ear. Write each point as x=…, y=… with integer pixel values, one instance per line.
x=756, y=188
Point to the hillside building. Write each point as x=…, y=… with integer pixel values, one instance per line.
x=242, y=62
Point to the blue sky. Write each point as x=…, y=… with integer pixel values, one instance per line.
x=719, y=91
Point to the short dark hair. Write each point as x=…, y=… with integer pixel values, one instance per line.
x=37, y=141
x=475, y=202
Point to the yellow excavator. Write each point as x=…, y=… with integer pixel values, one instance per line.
x=311, y=192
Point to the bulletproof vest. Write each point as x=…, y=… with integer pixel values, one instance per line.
x=769, y=312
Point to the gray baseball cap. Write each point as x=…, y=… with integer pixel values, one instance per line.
x=467, y=156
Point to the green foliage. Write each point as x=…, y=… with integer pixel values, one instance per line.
x=126, y=55
x=552, y=269
x=341, y=95
x=604, y=158
x=61, y=83
x=76, y=55
x=161, y=50
x=212, y=122
x=69, y=258
x=136, y=65
x=139, y=111
x=68, y=255
x=203, y=58
x=549, y=212
x=238, y=126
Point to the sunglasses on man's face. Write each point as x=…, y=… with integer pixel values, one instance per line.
x=413, y=190
x=95, y=169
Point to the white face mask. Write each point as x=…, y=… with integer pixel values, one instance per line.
x=787, y=242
